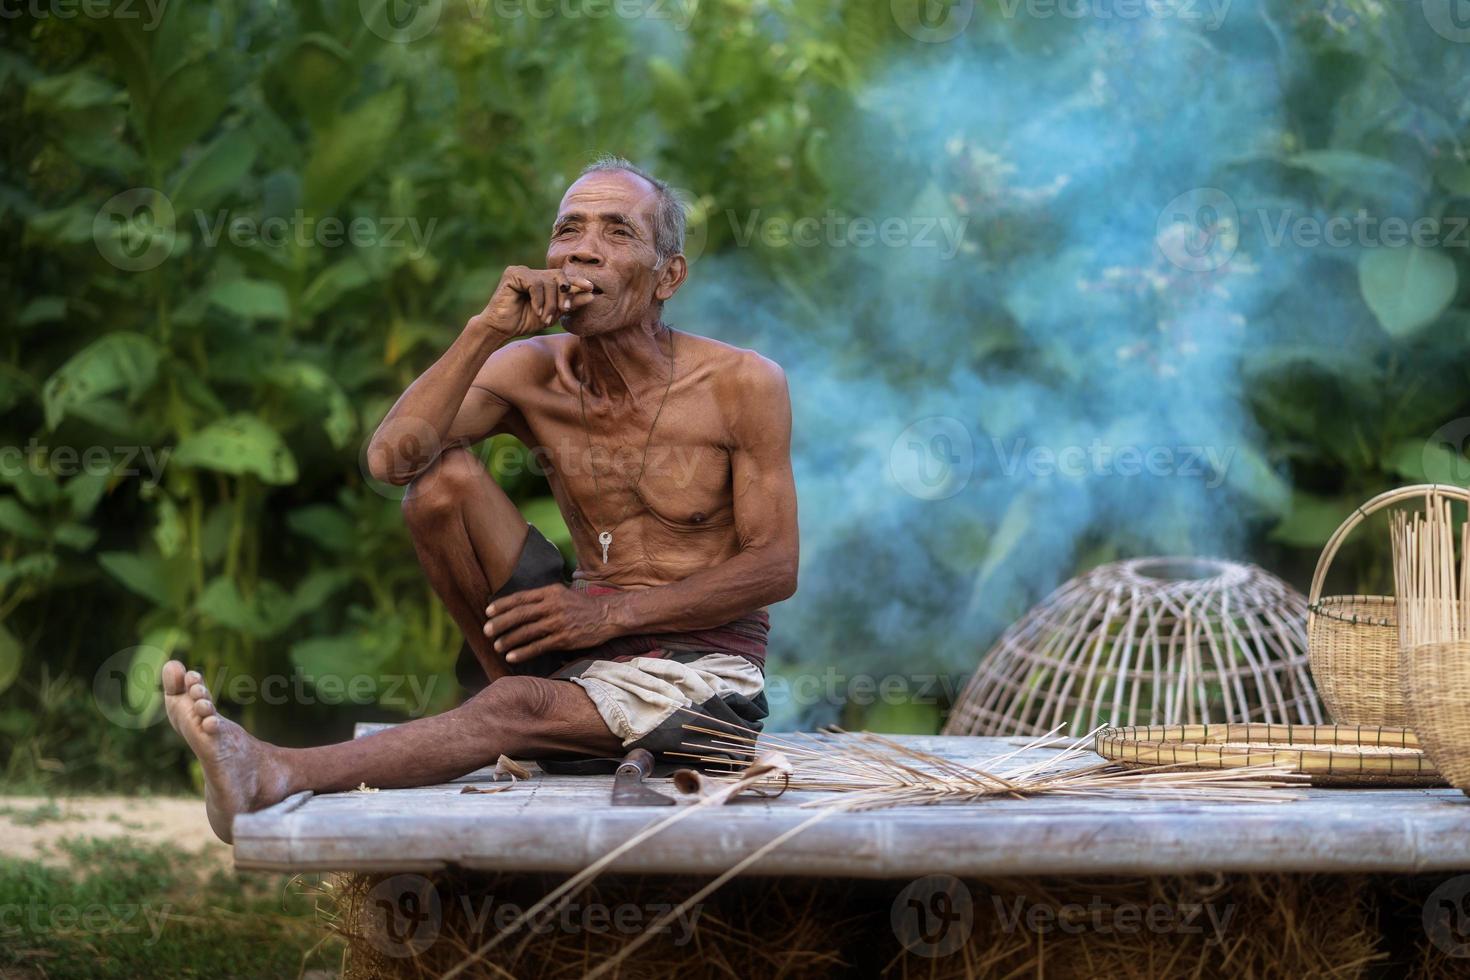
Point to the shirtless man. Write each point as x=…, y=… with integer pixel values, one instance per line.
x=668, y=455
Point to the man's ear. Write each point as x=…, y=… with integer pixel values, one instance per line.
x=671, y=277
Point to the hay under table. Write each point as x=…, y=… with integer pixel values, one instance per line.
x=563, y=823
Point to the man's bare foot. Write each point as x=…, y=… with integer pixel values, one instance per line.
x=240, y=774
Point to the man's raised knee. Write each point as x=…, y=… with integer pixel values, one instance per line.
x=443, y=488
x=517, y=698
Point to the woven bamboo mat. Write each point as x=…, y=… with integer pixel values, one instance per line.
x=1333, y=755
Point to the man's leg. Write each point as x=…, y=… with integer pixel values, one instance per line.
x=529, y=717
x=468, y=535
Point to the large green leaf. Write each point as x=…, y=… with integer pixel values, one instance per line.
x=16, y=520
x=214, y=172
x=185, y=106
x=262, y=615
x=150, y=576
x=79, y=89
x=324, y=524
x=119, y=361
x=344, y=656
x=318, y=73
x=350, y=150
x=339, y=421
x=1311, y=521
x=333, y=283
x=239, y=444
x=253, y=299
x=1368, y=176
x=1407, y=287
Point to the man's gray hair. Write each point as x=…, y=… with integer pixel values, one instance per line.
x=668, y=210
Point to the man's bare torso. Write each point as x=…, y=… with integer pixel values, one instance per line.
x=679, y=520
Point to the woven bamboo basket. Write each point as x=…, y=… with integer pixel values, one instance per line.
x=1432, y=579
x=1333, y=755
x=1147, y=641
x=1353, y=640
x=1437, y=697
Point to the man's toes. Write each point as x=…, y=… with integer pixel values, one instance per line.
x=173, y=678
x=199, y=691
x=210, y=725
x=193, y=677
x=203, y=708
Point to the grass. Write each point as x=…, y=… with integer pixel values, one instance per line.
x=120, y=910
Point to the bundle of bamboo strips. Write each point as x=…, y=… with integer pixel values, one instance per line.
x=872, y=772
x=1433, y=586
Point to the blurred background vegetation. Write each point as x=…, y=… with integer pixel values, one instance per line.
x=254, y=368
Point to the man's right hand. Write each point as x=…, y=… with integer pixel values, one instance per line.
x=528, y=301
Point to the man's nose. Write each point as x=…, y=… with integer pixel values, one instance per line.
x=584, y=257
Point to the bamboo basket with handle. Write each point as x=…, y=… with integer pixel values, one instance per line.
x=1353, y=640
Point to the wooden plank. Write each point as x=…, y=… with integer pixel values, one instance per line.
x=563, y=823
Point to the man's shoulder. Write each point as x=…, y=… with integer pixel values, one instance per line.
x=745, y=367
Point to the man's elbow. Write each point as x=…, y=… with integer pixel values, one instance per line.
x=783, y=579
x=387, y=465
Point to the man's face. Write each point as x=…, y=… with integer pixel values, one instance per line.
x=604, y=233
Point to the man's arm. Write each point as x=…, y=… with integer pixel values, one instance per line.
x=529, y=623
x=445, y=407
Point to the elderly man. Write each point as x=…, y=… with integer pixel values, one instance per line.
x=668, y=455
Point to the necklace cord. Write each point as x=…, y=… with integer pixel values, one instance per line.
x=587, y=432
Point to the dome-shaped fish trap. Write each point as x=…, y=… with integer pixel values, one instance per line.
x=1149, y=641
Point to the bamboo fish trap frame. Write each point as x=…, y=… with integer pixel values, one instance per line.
x=1148, y=641
x=1433, y=587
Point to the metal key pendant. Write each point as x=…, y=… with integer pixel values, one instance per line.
x=605, y=539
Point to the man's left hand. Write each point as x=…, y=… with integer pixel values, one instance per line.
x=529, y=623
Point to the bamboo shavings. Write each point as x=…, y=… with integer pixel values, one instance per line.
x=873, y=772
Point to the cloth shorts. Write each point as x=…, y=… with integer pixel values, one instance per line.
x=646, y=699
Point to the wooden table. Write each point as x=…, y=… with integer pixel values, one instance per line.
x=563, y=823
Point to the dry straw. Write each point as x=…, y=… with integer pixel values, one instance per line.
x=870, y=771
x=1147, y=641
x=1433, y=585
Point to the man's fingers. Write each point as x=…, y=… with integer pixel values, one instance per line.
x=507, y=620
x=522, y=636
x=536, y=649
x=522, y=597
